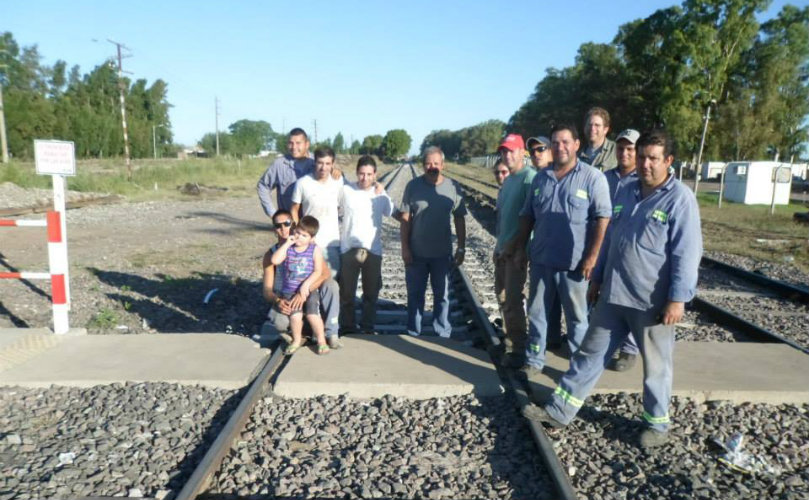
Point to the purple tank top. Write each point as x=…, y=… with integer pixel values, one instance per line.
x=297, y=267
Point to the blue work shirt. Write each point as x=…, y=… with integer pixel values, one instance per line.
x=616, y=182
x=654, y=247
x=563, y=211
x=282, y=173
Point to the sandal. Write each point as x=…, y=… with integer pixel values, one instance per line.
x=291, y=348
x=322, y=349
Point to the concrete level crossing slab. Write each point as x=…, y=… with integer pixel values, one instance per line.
x=739, y=372
x=370, y=366
x=212, y=360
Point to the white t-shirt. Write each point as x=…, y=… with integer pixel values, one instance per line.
x=362, y=218
x=320, y=200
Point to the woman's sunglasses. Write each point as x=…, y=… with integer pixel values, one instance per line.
x=285, y=223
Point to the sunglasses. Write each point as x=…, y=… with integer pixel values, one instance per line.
x=285, y=223
x=540, y=149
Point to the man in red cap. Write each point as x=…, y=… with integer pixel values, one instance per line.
x=510, y=266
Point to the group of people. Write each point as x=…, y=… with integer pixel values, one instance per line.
x=607, y=234
x=603, y=233
x=329, y=234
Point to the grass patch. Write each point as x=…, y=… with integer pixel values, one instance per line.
x=103, y=320
x=153, y=179
x=750, y=230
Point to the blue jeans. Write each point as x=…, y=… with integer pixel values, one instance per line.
x=609, y=328
x=416, y=279
x=548, y=285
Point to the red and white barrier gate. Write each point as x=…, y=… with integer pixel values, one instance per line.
x=57, y=263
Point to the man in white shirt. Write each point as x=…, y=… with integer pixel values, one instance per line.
x=317, y=195
x=363, y=205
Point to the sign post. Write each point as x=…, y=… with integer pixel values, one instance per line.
x=57, y=159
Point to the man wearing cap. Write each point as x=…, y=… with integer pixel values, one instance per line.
x=539, y=151
x=600, y=151
x=510, y=266
x=568, y=208
x=617, y=178
x=649, y=271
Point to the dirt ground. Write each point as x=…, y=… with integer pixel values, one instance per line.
x=145, y=267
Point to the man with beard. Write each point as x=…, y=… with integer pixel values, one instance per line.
x=600, y=151
x=427, y=205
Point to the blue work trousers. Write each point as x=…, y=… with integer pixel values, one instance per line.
x=548, y=285
x=609, y=326
x=416, y=274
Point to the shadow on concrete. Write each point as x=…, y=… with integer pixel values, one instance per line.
x=176, y=305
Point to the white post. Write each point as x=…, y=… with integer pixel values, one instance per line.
x=57, y=267
x=722, y=183
x=59, y=206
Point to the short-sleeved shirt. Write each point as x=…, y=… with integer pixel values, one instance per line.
x=510, y=201
x=431, y=207
x=363, y=211
x=654, y=246
x=321, y=200
x=298, y=266
x=282, y=173
x=601, y=158
x=563, y=211
x=616, y=181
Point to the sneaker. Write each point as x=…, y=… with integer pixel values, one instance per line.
x=445, y=335
x=528, y=372
x=412, y=333
x=625, y=362
x=541, y=415
x=334, y=342
x=287, y=338
x=651, y=438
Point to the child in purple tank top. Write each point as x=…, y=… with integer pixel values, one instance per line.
x=302, y=261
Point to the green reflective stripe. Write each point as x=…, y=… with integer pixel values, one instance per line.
x=534, y=347
x=567, y=397
x=660, y=215
x=617, y=209
x=655, y=420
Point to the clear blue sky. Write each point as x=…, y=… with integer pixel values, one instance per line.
x=358, y=67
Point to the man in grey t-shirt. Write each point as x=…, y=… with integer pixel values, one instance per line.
x=427, y=204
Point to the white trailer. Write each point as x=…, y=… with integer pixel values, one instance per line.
x=753, y=182
x=711, y=170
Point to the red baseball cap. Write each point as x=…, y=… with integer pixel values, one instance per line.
x=512, y=142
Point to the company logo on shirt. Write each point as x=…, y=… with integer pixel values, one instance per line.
x=581, y=193
x=617, y=209
x=660, y=215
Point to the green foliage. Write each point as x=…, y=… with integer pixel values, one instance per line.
x=463, y=144
x=665, y=69
x=339, y=144
x=250, y=137
x=104, y=319
x=355, y=148
x=371, y=145
x=51, y=103
x=395, y=144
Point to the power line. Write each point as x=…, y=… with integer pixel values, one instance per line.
x=121, y=84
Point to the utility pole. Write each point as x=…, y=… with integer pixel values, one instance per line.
x=120, y=46
x=216, y=111
x=702, y=144
x=3, y=141
x=315, y=124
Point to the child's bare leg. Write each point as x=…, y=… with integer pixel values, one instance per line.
x=296, y=325
x=316, y=322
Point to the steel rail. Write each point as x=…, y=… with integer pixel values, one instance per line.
x=786, y=290
x=224, y=441
x=725, y=317
x=561, y=480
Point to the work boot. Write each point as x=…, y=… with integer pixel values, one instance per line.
x=625, y=362
x=541, y=415
x=512, y=360
x=334, y=342
x=651, y=438
x=529, y=373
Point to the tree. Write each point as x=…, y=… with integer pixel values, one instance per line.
x=249, y=137
x=338, y=144
x=396, y=143
x=371, y=145
x=355, y=147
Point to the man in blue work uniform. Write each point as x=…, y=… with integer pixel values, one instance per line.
x=647, y=275
x=618, y=177
x=568, y=208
